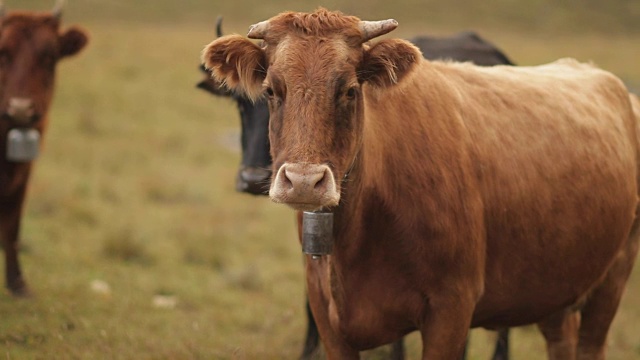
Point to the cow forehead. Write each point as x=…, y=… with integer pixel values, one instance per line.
x=314, y=57
x=29, y=20
x=319, y=23
x=19, y=27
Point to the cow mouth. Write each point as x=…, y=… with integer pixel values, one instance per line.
x=324, y=203
x=299, y=206
x=26, y=122
x=253, y=180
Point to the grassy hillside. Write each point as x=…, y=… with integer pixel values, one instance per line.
x=573, y=16
x=134, y=242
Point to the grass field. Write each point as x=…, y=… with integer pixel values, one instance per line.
x=134, y=242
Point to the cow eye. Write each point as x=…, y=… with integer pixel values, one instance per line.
x=351, y=93
x=269, y=92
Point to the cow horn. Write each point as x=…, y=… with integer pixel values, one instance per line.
x=57, y=9
x=372, y=29
x=219, y=26
x=257, y=31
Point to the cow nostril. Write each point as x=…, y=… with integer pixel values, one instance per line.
x=322, y=181
x=286, y=180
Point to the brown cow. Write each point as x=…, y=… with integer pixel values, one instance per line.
x=30, y=47
x=462, y=196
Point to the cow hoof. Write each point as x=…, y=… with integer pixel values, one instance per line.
x=19, y=289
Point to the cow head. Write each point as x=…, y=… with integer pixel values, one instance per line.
x=313, y=70
x=255, y=169
x=30, y=47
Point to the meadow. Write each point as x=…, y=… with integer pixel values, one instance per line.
x=134, y=242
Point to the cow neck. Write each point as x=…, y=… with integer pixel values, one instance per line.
x=383, y=187
x=362, y=190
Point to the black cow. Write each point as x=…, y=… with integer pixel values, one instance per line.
x=255, y=168
x=464, y=46
x=254, y=175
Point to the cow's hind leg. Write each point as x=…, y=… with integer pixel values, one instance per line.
x=502, y=345
x=397, y=350
x=602, y=304
x=560, y=332
x=601, y=307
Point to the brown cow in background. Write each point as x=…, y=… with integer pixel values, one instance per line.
x=30, y=46
x=462, y=196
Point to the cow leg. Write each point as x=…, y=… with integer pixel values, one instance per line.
x=501, y=351
x=312, y=339
x=466, y=349
x=334, y=345
x=10, y=213
x=601, y=305
x=502, y=345
x=596, y=318
x=445, y=329
x=561, y=334
x=397, y=350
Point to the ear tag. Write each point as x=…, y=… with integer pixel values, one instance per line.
x=23, y=145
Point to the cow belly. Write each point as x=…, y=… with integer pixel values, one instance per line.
x=546, y=254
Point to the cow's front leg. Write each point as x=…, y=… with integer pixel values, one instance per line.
x=445, y=328
x=335, y=346
x=10, y=211
x=560, y=332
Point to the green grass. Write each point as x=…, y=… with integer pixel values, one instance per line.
x=135, y=190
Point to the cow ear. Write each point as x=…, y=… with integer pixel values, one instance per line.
x=238, y=63
x=72, y=41
x=388, y=61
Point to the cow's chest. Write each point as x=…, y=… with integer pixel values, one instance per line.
x=376, y=301
x=12, y=177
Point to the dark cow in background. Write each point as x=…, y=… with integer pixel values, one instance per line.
x=464, y=46
x=30, y=46
x=255, y=167
x=254, y=175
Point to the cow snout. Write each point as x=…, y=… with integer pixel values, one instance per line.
x=253, y=180
x=305, y=186
x=22, y=111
